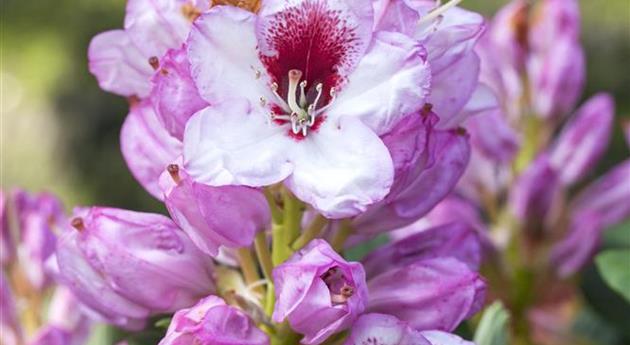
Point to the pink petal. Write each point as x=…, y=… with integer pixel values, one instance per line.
x=147, y=147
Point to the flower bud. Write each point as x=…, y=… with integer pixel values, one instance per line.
x=419, y=185
x=492, y=135
x=130, y=265
x=456, y=239
x=608, y=196
x=212, y=321
x=553, y=20
x=557, y=78
x=38, y=216
x=534, y=198
x=429, y=294
x=319, y=292
x=584, y=139
x=579, y=245
x=174, y=95
x=214, y=216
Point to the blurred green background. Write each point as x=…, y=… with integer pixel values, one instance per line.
x=59, y=131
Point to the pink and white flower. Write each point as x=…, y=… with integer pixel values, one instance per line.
x=303, y=98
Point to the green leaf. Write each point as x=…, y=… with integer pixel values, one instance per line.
x=493, y=327
x=614, y=266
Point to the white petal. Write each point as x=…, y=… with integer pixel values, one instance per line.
x=342, y=168
x=391, y=81
x=231, y=143
x=119, y=65
x=157, y=25
x=223, y=56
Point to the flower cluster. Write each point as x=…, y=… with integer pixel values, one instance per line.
x=531, y=184
x=280, y=133
x=30, y=225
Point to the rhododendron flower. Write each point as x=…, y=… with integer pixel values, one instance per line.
x=302, y=98
x=157, y=270
x=541, y=42
x=212, y=321
x=214, y=216
x=319, y=292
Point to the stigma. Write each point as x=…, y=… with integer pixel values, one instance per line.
x=297, y=109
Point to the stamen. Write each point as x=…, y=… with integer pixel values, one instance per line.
x=319, y=88
x=282, y=103
x=344, y=294
x=302, y=94
x=257, y=73
x=333, y=95
x=438, y=11
x=78, y=224
x=154, y=62
x=263, y=101
x=173, y=170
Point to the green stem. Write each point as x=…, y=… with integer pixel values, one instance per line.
x=345, y=230
x=263, y=253
x=292, y=216
x=276, y=213
x=281, y=250
x=248, y=266
x=311, y=232
x=270, y=299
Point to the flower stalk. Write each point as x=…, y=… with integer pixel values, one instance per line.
x=312, y=231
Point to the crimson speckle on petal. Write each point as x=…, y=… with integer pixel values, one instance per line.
x=311, y=37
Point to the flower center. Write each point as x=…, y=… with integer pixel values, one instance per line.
x=300, y=108
x=339, y=285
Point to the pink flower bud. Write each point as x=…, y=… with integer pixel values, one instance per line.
x=456, y=239
x=429, y=294
x=319, y=292
x=214, y=216
x=584, y=139
x=130, y=265
x=211, y=321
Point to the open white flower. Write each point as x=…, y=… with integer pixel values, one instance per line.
x=300, y=93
